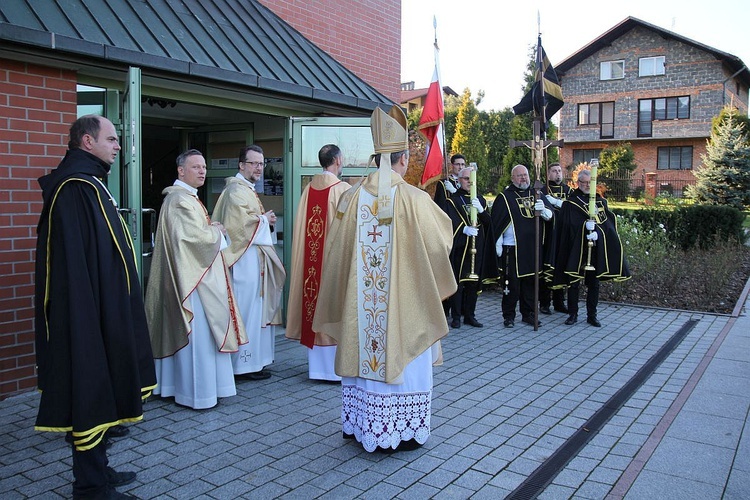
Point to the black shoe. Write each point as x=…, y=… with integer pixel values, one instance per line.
x=508, y=323
x=572, y=319
x=113, y=494
x=347, y=436
x=529, y=320
x=561, y=309
x=456, y=323
x=261, y=375
x=116, y=479
x=545, y=310
x=118, y=431
x=591, y=320
x=473, y=322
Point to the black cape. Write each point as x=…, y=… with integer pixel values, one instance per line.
x=485, y=260
x=561, y=192
x=93, y=352
x=607, y=254
x=516, y=206
x=442, y=195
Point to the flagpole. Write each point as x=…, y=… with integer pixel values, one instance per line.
x=445, y=157
x=536, y=151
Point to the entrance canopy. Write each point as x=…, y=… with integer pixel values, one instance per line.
x=238, y=42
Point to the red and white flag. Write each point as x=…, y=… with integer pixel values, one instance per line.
x=431, y=128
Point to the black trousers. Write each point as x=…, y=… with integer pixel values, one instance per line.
x=464, y=301
x=592, y=294
x=90, y=472
x=548, y=296
x=519, y=289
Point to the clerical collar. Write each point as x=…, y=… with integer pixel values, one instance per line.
x=242, y=178
x=193, y=191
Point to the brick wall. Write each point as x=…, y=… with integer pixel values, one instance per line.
x=38, y=104
x=345, y=29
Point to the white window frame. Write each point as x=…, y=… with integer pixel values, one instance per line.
x=651, y=66
x=612, y=70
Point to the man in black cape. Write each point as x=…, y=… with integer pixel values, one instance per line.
x=514, y=225
x=555, y=191
x=459, y=205
x=576, y=229
x=93, y=351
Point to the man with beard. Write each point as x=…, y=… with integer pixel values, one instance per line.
x=578, y=228
x=257, y=272
x=466, y=236
x=555, y=192
x=513, y=219
x=94, y=361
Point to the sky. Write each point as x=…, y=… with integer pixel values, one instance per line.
x=484, y=44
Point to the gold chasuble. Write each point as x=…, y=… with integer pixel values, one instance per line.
x=367, y=293
x=239, y=208
x=187, y=258
x=315, y=213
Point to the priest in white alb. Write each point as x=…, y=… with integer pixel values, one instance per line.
x=257, y=272
x=190, y=308
x=315, y=212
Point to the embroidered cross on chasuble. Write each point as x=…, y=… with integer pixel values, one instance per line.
x=315, y=234
x=373, y=286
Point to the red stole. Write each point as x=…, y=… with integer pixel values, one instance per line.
x=315, y=235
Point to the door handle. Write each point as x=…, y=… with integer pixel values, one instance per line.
x=151, y=214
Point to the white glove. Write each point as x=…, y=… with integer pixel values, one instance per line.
x=499, y=246
x=449, y=186
x=590, y=225
x=471, y=231
x=592, y=236
x=477, y=204
x=539, y=205
x=546, y=214
x=555, y=202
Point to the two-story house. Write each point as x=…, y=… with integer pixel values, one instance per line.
x=652, y=88
x=412, y=98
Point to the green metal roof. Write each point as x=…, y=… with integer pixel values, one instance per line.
x=237, y=41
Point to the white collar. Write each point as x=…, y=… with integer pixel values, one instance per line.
x=193, y=191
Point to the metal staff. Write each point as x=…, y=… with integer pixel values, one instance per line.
x=473, y=215
x=592, y=209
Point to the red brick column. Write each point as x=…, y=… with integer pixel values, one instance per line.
x=38, y=105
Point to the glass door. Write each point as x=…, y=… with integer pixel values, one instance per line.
x=305, y=138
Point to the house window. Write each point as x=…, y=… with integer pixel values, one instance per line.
x=675, y=158
x=585, y=155
x=651, y=66
x=598, y=113
x=663, y=108
x=611, y=70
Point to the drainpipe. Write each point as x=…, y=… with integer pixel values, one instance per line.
x=724, y=86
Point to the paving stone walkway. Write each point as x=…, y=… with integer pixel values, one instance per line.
x=503, y=402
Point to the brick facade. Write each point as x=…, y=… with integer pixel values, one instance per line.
x=39, y=104
x=346, y=30
x=689, y=71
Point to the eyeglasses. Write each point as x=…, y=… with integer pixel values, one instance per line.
x=465, y=178
x=253, y=163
